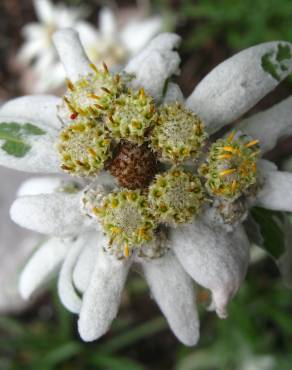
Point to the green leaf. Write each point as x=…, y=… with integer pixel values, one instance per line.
x=270, y=224
x=32, y=130
x=269, y=66
x=59, y=355
x=14, y=136
x=201, y=359
x=10, y=325
x=64, y=318
x=282, y=54
x=165, y=87
x=16, y=148
x=135, y=334
x=108, y=362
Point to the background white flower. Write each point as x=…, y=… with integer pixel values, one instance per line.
x=252, y=362
x=214, y=257
x=38, y=49
x=107, y=42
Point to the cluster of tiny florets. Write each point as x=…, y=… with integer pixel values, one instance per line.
x=178, y=135
x=90, y=96
x=133, y=165
x=176, y=196
x=131, y=115
x=126, y=219
x=109, y=126
x=231, y=167
x=84, y=147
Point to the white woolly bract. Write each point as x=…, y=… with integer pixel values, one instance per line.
x=155, y=64
x=53, y=214
x=67, y=292
x=71, y=53
x=41, y=109
x=236, y=84
x=213, y=257
x=44, y=263
x=173, y=94
x=86, y=262
x=270, y=125
x=102, y=297
x=39, y=185
x=174, y=293
x=276, y=191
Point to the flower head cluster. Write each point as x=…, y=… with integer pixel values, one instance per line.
x=126, y=217
x=231, y=166
x=84, y=147
x=131, y=116
x=176, y=196
x=108, y=125
x=179, y=133
x=91, y=95
x=152, y=182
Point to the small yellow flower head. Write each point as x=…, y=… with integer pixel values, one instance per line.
x=178, y=135
x=91, y=96
x=126, y=219
x=131, y=115
x=176, y=196
x=83, y=148
x=231, y=167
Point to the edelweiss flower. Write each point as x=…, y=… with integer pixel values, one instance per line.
x=106, y=43
x=156, y=190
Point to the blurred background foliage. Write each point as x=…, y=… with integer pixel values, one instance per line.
x=258, y=333
x=239, y=23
